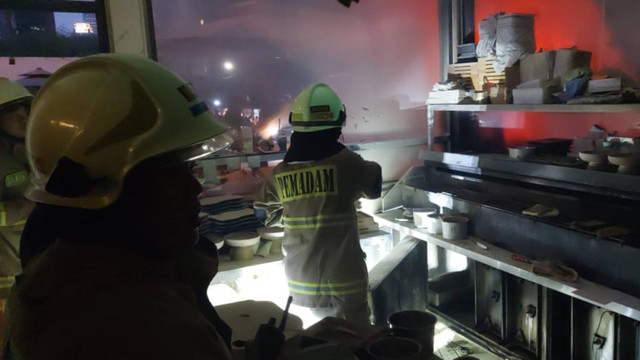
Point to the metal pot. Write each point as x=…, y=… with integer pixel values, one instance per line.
x=522, y=152
x=454, y=227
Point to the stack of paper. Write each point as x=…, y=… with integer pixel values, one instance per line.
x=605, y=85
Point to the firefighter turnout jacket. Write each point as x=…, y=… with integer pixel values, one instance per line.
x=315, y=202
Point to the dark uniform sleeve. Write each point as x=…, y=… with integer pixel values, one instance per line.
x=371, y=179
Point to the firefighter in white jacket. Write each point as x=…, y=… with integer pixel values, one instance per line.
x=15, y=102
x=312, y=193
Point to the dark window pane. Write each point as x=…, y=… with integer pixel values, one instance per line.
x=45, y=33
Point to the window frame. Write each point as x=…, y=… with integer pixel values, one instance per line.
x=96, y=7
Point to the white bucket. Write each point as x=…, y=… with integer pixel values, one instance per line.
x=421, y=216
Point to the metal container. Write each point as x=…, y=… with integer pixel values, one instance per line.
x=454, y=227
x=415, y=325
x=552, y=146
x=522, y=152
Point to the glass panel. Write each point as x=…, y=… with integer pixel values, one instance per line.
x=46, y=33
x=250, y=58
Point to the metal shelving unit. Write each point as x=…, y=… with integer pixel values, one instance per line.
x=547, y=108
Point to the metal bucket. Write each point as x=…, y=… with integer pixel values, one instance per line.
x=416, y=325
x=395, y=348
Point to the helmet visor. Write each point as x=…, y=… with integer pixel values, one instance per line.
x=193, y=152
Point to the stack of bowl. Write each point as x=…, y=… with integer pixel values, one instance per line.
x=243, y=244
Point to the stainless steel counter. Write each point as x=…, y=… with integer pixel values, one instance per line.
x=496, y=257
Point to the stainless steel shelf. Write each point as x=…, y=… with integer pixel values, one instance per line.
x=387, y=144
x=496, y=257
x=559, y=108
x=505, y=165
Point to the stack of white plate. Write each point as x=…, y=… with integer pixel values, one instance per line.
x=219, y=204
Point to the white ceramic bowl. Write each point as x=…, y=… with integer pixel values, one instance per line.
x=219, y=243
x=454, y=227
x=242, y=239
x=593, y=157
x=421, y=216
x=624, y=159
x=271, y=233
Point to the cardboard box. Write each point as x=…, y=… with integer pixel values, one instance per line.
x=512, y=75
x=536, y=92
x=537, y=66
x=569, y=59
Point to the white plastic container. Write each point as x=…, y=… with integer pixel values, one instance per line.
x=421, y=216
x=454, y=227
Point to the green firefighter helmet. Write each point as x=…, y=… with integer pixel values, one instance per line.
x=12, y=93
x=317, y=108
x=106, y=113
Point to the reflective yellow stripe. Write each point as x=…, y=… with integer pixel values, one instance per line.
x=301, y=218
x=317, y=226
x=327, y=292
x=344, y=288
x=7, y=282
x=3, y=215
x=326, y=285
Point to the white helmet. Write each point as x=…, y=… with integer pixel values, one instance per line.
x=317, y=108
x=12, y=93
x=100, y=116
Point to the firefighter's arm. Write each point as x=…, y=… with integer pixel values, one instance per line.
x=267, y=199
x=372, y=180
x=15, y=212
